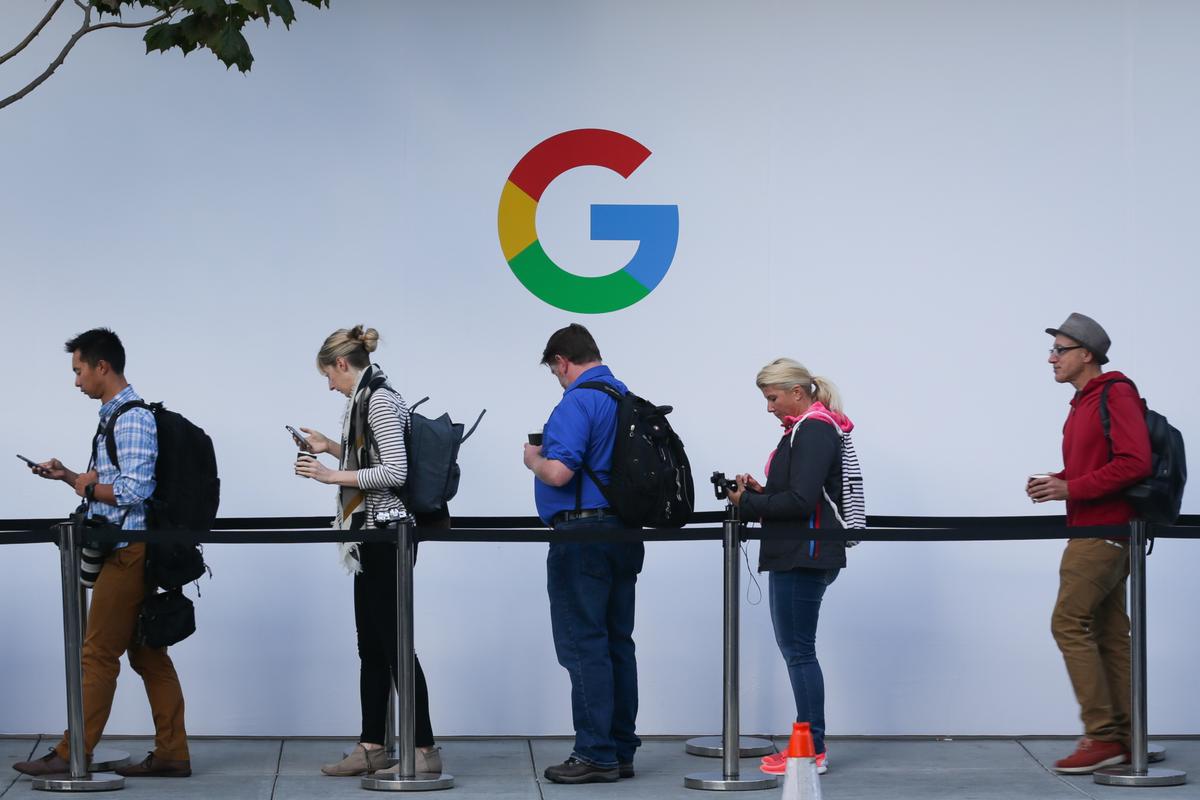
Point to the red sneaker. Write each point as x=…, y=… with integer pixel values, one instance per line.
x=776, y=763
x=1092, y=754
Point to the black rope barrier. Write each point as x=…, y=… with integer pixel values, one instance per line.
x=310, y=530
x=27, y=537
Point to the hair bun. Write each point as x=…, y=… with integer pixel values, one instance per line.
x=369, y=338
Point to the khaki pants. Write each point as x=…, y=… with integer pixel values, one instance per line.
x=1092, y=631
x=116, y=601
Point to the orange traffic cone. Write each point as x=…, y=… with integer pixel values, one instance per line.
x=800, y=781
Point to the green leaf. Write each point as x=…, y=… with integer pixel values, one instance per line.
x=161, y=37
x=210, y=7
x=283, y=9
x=318, y=3
x=256, y=8
x=199, y=28
x=230, y=47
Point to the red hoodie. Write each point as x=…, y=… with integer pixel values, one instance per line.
x=1094, y=481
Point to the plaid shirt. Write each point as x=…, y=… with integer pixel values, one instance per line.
x=136, y=435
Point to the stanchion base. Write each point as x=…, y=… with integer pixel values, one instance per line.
x=1125, y=776
x=421, y=782
x=1155, y=752
x=714, y=746
x=96, y=782
x=104, y=760
x=717, y=782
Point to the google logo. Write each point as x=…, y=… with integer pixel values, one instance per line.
x=655, y=228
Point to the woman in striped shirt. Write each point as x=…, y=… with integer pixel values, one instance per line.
x=372, y=467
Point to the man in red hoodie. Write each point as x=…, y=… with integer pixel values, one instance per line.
x=1089, y=622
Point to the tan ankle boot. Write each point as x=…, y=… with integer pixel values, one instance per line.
x=427, y=761
x=361, y=761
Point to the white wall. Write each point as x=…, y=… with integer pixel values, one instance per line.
x=902, y=195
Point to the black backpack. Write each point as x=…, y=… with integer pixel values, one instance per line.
x=1157, y=498
x=186, y=495
x=650, y=484
x=432, y=447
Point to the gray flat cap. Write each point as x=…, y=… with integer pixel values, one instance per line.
x=1087, y=332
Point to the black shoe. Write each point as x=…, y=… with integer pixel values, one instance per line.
x=575, y=771
x=626, y=770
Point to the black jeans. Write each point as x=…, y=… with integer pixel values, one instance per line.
x=375, y=619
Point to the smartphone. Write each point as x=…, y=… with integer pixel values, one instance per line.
x=31, y=463
x=300, y=440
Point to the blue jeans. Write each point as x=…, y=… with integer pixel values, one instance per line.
x=591, y=588
x=795, y=608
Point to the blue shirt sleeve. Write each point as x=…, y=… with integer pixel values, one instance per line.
x=565, y=436
x=136, y=435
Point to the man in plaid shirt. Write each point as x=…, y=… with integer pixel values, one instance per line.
x=119, y=495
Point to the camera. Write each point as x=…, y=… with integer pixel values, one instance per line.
x=386, y=517
x=722, y=485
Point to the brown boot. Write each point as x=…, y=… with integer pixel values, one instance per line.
x=50, y=764
x=156, y=768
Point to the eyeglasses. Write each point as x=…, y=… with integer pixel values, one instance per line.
x=1059, y=349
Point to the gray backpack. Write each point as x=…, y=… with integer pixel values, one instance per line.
x=433, y=470
x=432, y=447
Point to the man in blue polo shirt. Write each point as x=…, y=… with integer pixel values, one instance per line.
x=591, y=584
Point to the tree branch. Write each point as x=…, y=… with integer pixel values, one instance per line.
x=62, y=56
x=33, y=34
x=84, y=29
x=160, y=18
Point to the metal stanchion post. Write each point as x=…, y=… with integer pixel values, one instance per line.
x=406, y=779
x=714, y=746
x=729, y=778
x=1138, y=772
x=104, y=759
x=389, y=732
x=79, y=779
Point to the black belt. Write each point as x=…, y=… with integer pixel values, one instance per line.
x=568, y=516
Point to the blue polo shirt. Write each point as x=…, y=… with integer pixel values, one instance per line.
x=581, y=430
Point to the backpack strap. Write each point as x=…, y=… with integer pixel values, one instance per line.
x=616, y=395
x=818, y=414
x=110, y=442
x=824, y=416
x=374, y=385
x=1105, y=418
x=478, y=419
x=607, y=388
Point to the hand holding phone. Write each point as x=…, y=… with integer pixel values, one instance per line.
x=37, y=468
x=301, y=441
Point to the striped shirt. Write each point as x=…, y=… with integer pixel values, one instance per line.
x=387, y=467
x=136, y=435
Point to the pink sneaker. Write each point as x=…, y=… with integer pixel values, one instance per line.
x=776, y=763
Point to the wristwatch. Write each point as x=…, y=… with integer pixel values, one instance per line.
x=89, y=491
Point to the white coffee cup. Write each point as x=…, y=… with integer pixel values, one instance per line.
x=1032, y=478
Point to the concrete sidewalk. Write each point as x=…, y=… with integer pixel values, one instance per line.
x=511, y=769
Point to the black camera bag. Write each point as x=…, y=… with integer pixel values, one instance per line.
x=166, y=618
